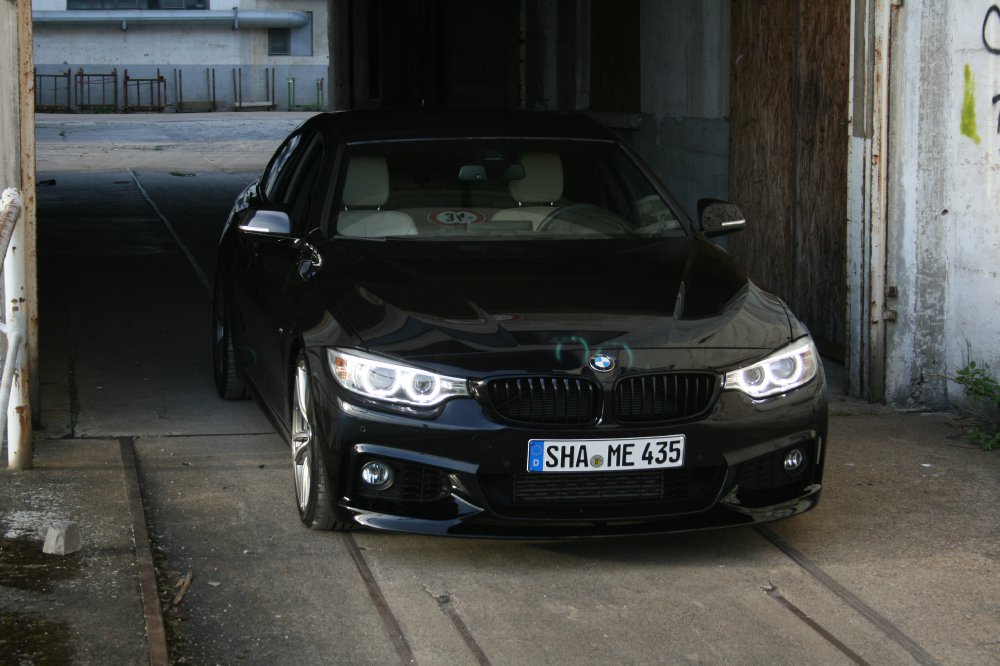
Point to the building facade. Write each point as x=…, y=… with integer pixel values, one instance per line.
x=943, y=199
x=245, y=54
x=861, y=138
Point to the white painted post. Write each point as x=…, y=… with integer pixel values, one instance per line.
x=867, y=196
x=14, y=385
x=17, y=167
x=10, y=211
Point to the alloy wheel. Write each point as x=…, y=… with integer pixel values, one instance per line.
x=302, y=435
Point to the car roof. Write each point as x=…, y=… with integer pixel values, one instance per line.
x=450, y=122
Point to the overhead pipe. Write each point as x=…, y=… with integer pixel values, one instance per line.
x=234, y=19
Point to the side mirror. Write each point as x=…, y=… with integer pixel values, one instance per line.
x=720, y=217
x=268, y=223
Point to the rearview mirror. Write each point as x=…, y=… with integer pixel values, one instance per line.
x=720, y=217
x=471, y=172
x=268, y=223
x=474, y=172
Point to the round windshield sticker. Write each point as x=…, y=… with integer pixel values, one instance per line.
x=456, y=216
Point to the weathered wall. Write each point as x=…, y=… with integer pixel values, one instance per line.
x=944, y=206
x=143, y=48
x=684, y=133
x=788, y=156
x=681, y=125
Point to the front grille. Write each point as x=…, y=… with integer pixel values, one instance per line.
x=610, y=487
x=649, y=398
x=601, y=495
x=544, y=400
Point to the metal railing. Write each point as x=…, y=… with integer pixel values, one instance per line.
x=243, y=104
x=15, y=328
x=145, y=94
x=97, y=92
x=184, y=105
x=52, y=92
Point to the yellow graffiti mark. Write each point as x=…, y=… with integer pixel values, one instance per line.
x=969, y=107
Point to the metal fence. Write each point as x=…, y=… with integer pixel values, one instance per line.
x=187, y=104
x=52, y=92
x=97, y=92
x=247, y=97
x=145, y=94
x=195, y=89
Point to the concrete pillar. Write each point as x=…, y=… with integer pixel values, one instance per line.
x=340, y=54
x=17, y=169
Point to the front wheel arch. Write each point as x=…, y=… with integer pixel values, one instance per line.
x=315, y=486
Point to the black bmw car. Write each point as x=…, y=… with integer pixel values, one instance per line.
x=499, y=323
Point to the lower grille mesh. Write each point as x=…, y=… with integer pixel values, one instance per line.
x=598, y=488
x=422, y=484
x=768, y=471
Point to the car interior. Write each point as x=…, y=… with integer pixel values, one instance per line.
x=454, y=193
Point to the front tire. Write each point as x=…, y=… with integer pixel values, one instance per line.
x=312, y=496
x=229, y=381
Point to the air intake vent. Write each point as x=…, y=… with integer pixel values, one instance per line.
x=587, y=488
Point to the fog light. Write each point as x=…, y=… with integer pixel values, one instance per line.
x=377, y=475
x=794, y=460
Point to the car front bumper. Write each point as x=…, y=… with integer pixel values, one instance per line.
x=464, y=474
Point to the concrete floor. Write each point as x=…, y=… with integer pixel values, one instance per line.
x=898, y=565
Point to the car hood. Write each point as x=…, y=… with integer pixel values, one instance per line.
x=551, y=303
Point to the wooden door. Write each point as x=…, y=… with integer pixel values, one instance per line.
x=788, y=155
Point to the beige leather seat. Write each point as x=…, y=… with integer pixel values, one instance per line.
x=538, y=192
x=366, y=189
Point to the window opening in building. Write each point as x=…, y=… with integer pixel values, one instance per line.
x=291, y=41
x=279, y=41
x=137, y=4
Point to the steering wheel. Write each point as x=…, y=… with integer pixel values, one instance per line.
x=586, y=213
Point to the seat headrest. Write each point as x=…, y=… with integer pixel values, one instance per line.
x=543, y=179
x=367, y=182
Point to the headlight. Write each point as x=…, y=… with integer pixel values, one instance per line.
x=400, y=384
x=782, y=371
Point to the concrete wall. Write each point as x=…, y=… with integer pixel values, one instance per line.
x=682, y=127
x=944, y=204
x=684, y=134
x=143, y=48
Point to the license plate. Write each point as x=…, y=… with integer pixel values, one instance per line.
x=605, y=455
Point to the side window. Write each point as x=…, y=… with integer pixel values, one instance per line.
x=278, y=170
x=297, y=198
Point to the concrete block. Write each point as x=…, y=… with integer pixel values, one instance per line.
x=63, y=538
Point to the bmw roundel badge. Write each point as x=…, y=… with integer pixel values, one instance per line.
x=603, y=362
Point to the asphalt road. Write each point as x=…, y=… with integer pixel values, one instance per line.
x=898, y=565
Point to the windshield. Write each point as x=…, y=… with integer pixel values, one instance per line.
x=496, y=188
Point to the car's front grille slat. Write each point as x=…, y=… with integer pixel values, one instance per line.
x=650, y=398
x=544, y=400
x=577, y=401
